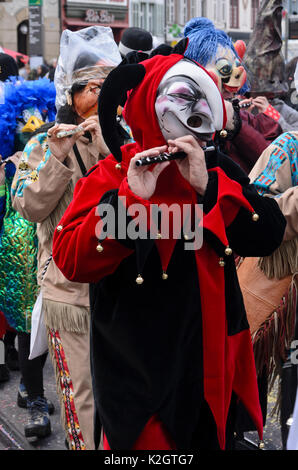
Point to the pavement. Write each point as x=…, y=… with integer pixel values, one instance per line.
x=13, y=418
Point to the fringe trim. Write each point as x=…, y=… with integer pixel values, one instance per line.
x=283, y=262
x=273, y=339
x=64, y=387
x=61, y=316
x=47, y=227
x=63, y=419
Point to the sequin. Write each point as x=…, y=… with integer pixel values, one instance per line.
x=18, y=268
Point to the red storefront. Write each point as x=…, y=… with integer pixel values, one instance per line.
x=78, y=14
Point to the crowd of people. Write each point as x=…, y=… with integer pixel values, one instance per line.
x=157, y=342
x=34, y=73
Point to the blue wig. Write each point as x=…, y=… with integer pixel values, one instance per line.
x=19, y=94
x=204, y=40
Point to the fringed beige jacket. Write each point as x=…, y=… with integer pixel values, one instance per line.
x=41, y=191
x=270, y=284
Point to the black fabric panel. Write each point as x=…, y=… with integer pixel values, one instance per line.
x=147, y=348
x=210, y=197
x=235, y=310
x=244, y=422
x=261, y=238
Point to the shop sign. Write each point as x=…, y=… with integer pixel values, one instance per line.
x=35, y=28
x=99, y=16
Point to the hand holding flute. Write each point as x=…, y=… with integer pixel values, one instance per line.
x=142, y=179
x=61, y=139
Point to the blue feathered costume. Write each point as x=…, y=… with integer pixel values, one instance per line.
x=20, y=100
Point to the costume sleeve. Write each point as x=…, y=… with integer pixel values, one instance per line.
x=40, y=181
x=249, y=143
x=288, y=204
x=275, y=175
x=238, y=216
x=288, y=119
x=82, y=250
x=264, y=124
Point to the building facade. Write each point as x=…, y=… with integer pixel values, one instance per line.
x=77, y=14
x=57, y=15
x=14, y=26
x=165, y=19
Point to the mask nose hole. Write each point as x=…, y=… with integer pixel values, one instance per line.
x=194, y=121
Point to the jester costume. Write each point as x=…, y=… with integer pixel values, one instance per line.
x=171, y=353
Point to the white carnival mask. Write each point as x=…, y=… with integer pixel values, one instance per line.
x=189, y=103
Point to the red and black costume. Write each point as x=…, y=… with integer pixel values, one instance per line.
x=172, y=354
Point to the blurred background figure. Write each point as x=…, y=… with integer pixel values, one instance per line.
x=8, y=67
x=52, y=69
x=135, y=39
x=42, y=70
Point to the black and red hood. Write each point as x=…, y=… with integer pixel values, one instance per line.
x=135, y=86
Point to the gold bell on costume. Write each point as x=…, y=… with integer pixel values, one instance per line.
x=223, y=133
x=139, y=279
x=99, y=248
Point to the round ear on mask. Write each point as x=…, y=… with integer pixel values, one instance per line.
x=114, y=92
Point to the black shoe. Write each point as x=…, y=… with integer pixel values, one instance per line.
x=4, y=373
x=22, y=399
x=12, y=357
x=39, y=424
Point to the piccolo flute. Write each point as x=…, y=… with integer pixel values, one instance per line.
x=245, y=105
x=70, y=132
x=166, y=157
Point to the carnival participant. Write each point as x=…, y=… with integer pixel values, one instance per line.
x=24, y=107
x=170, y=346
x=270, y=284
x=8, y=68
x=135, y=39
x=245, y=136
x=58, y=160
x=266, y=66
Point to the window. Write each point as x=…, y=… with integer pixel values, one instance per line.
x=194, y=9
x=294, y=7
x=183, y=12
x=215, y=12
x=171, y=14
x=143, y=16
x=150, y=18
x=158, y=15
x=223, y=12
x=254, y=12
x=234, y=14
x=204, y=8
x=135, y=14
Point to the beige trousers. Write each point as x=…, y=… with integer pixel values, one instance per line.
x=71, y=358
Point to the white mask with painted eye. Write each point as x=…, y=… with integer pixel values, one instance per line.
x=188, y=103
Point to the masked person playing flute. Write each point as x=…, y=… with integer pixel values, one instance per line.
x=171, y=351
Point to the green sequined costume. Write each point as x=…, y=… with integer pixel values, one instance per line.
x=18, y=267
